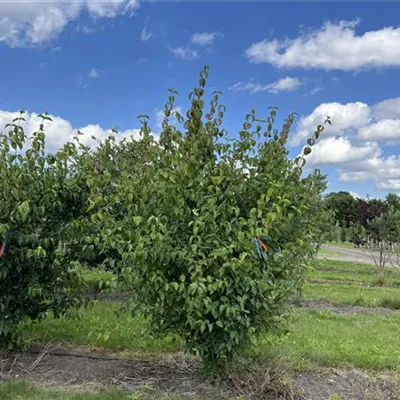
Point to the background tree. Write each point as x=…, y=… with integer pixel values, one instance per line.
x=385, y=232
x=366, y=210
x=393, y=202
x=343, y=206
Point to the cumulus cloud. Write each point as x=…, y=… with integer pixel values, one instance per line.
x=286, y=84
x=355, y=142
x=200, y=39
x=384, y=130
x=25, y=23
x=340, y=150
x=206, y=38
x=385, y=171
x=387, y=109
x=184, y=53
x=346, y=118
x=335, y=46
x=355, y=195
x=60, y=131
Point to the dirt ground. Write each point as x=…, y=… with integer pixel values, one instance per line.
x=181, y=376
x=346, y=309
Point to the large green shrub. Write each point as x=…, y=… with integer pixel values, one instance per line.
x=191, y=214
x=101, y=171
x=38, y=196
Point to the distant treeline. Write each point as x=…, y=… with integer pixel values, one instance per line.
x=353, y=217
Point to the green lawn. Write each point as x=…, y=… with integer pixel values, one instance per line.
x=101, y=326
x=354, y=295
x=19, y=390
x=341, y=245
x=360, y=277
x=353, y=272
x=328, y=253
x=325, y=339
x=318, y=338
x=348, y=266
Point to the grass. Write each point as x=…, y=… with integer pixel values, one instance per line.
x=321, y=338
x=315, y=338
x=19, y=390
x=328, y=253
x=341, y=245
x=354, y=295
x=101, y=326
x=95, y=280
x=346, y=265
x=353, y=272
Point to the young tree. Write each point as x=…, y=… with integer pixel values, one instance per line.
x=385, y=232
x=215, y=235
x=38, y=196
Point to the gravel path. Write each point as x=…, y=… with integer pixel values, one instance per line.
x=353, y=255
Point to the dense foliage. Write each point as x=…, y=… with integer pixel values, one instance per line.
x=210, y=233
x=183, y=215
x=354, y=217
x=38, y=196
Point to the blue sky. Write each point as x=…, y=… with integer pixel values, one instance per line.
x=96, y=65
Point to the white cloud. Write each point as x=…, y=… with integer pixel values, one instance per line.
x=390, y=184
x=25, y=23
x=145, y=35
x=286, y=84
x=384, y=171
x=160, y=116
x=351, y=143
x=206, y=38
x=385, y=130
x=387, y=109
x=60, y=131
x=355, y=195
x=313, y=91
x=184, y=52
x=87, y=29
x=335, y=46
x=95, y=73
x=340, y=150
x=344, y=117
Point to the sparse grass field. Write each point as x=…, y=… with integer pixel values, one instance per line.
x=101, y=326
x=354, y=295
x=18, y=390
x=342, y=245
x=316, y=337
x=354, y=272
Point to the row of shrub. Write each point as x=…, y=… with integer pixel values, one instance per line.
x=209, y=234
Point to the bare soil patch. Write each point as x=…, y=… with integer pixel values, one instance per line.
x=181, y=376
x=348, y=384
x=345, y=309
x=175, y=375
x=350, y=283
